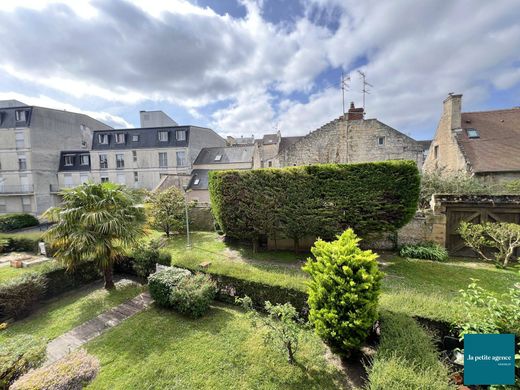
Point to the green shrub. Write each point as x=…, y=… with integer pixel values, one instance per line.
x=20, y=244
x=512, y=187
x=343, y=291
x=427, y=250
x=18, y=296
x=72, y=372
x=315, y=200
x=193, y=295
x=10, y=222
x=59, y=279
x=4, y=244
x=18, y=355
x=145, y=256
x=162, y=283
x=502, y=237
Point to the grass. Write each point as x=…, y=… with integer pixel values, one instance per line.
x=32, y=235
x=159, y=349
x=406, y=357
x=414, y=287
x=70, y=310
x=8, y=272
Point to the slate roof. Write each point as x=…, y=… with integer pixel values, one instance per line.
x=425, y=144
x=269, y=139
x=76, y=161
x=147, y=138
x=230, y=154
x=202, y=175
x=287, y=142
x=498, y=147
x=8, y=117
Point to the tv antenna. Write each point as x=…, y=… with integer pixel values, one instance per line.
x=365, y=85
x=345, y=86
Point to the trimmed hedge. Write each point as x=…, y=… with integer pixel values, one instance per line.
x=10, y=222
x=315, y=200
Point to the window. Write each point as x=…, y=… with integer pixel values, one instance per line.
x=381, y=141
x=120, y=138
x=218, y=157
x=67, y=180
x=20, y=140
x=19, y=115
x=22, y=163
x=436, y=151
x=136, y=176
x=84, y=159
x=180, y=135
x=103, y=139
x=135, y=138
x=163, y=159
x=181, y=158
x=120, y=161
x=68, y=160
x=196, y=182
x=163, y=136
x=83, y=177
x=270, y=164
x=121, y=178
x=104, y=179
x=134, y=155
x=103, y=161
x=472, y=133
x=24, y=183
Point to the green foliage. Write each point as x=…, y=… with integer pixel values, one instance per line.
x=406, y=358
x=72, y=372
x=316, y=200
x=18, y=355
x=512, y=187
x=426, y=250
x=144, y=257
x=483, y=312
x=343, y=291
x=99, y=222
x=282, y=325
x=502, y=237
x=18, y=296
x=4, y=244
x=10, y=222
x=162, y=283
x=166, y=210
x=193, y=295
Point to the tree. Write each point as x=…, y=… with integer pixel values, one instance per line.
x=166, y=210
x=98, y=222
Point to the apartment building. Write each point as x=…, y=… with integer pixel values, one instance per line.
x=31, y=141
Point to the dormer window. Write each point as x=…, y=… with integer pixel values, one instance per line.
x=120, y=138
x=472, y=133
x=84, y=159
x=163, y=136
x=135, y=138
x=20, y=115
x=180, y=135
x=68, y=160
x=103, y=139
x=218, y=157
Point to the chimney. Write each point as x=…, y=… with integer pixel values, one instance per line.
x=452, y=109
x=230, y=140
x=355, y=114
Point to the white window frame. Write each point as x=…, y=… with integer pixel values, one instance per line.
x=180, y=135
x=181, y=162
x=120, y=160
x=67, y=180
x=379, y=141
x=103, y=139
x=163, y=136
x=196, y=182
x=163, y=157
x=82, y=161
x=120, y=138
x=20, y=115
x=68, y=160
x=103, y=158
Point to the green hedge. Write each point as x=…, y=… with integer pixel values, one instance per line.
x=10, y=222
x=316, y=200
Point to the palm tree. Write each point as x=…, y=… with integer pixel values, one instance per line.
x=95, y=222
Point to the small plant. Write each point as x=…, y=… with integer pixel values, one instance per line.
x=193, y=295
x=72, y=372
x=502, y=237
x=18, y=355
x=343, y=291
x=282, y=324
x=162, y=283
x=427, y=250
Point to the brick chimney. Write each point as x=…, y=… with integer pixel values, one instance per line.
x=452, y=108
x=355, y=114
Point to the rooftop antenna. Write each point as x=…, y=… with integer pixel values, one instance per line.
x=345, y=86
x=365, y=85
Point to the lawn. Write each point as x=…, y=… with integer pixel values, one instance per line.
x=414, y=287
x=159, y=349
x=8, y=272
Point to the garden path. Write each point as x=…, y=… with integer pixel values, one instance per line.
x=62, y=345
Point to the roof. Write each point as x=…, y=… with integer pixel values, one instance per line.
x=228, y=155
x=202, y=176
x=8, y=117
x=76, y=161
x=425, y=143
x=497, y=148
x=147, y=137
x=11, y=103
x=287, y=142
x=269, y=139
x=245, y=140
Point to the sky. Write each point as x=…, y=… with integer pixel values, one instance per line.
x=246, y=67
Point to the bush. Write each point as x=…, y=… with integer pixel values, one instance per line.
x=20, y=244
x=512, y=187
x=4, y=244
x=10, y=222
x=72, y=372
x=18, y=296
x=18, y=355
x=59, y=279
x=427, y=250
x=343, y=291
x=193, y=295
x=315, y=200
x=144, y=257
x=502, y=237
x=162, y=283
x=166, y=210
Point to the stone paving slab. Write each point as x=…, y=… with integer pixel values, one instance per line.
x=67, y=342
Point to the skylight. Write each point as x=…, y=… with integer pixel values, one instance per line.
x=472, y=133
x=218, y=157
x=196, y=182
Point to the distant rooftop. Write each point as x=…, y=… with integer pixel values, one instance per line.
x=11, y=103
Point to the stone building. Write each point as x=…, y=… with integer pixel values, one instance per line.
x=352, y=139
x=31, y=140
x=485, y=144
